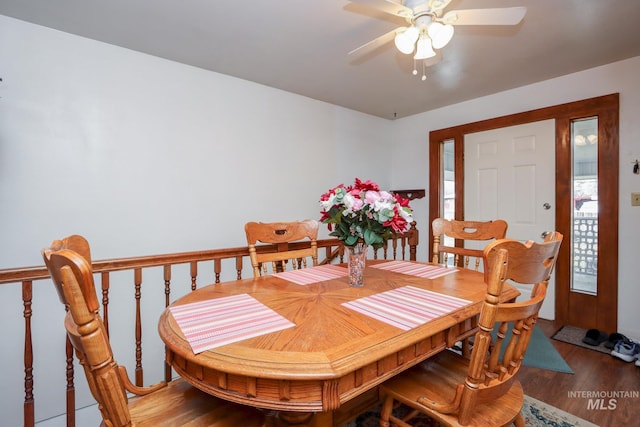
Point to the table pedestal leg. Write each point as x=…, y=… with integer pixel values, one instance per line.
x=304, y=419
x=295, y=418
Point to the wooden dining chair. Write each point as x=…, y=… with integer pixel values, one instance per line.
x=176, y=403
x=480, y=232
x=483, y=390
x=477, y=233
x=289, y=239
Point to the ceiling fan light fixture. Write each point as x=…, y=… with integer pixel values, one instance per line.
x=440, y=34
x=423, y=48
x=428, y=27
x=406, y=40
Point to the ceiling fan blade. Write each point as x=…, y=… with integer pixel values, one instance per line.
x=376, y=43
x=387, y=6
x=499, y=16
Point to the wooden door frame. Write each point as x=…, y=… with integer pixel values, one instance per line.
x=607, y=109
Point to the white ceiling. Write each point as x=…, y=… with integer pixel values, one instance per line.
x=301, y=46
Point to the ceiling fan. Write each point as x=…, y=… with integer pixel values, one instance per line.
x=429, y=27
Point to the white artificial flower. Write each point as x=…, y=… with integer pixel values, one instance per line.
x=406, y=214
x=327, y=204
x=349, y=202
x=372, y=198
x=385, y=195
x=383, y=204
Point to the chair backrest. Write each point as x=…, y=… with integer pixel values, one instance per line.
x=497, y=357
x=479, y=231
x=73, y=277
x=282, y=234
x=80, y=246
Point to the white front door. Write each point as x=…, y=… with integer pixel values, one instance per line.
x=510, y=175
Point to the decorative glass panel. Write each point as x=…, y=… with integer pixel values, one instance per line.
x=584, y=239
x=448, y=187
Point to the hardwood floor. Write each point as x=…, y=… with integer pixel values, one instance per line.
x=595, y=373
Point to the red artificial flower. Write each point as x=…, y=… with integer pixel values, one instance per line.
x=329, y=193
x=398, y=223
x=401, y=200
x=325, y=215
x=366, y=186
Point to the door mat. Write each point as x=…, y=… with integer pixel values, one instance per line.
x=573, y=335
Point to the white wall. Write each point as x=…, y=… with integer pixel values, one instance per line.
x=148, y=146
x=144, y=156
x=411, y=141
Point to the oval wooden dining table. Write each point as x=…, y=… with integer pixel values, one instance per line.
x=333, y=356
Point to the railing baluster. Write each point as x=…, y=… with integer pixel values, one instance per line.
x=27, y=298
x=167, y=284
x=167, y=300
x=413, y=238
x=394, y=246
x=217, y=269
x=138, y=284
x=402, y=247
x=239, y=266
x=194, y=274
x=104, y=281
x=71, y=390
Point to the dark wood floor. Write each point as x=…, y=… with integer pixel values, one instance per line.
x=594, y=372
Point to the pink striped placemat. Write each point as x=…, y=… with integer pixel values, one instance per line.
x=220, y=321
x=407, y=307
x=306, y=276
x=427, y=271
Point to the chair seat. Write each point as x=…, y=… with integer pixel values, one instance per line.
x=181, y=404
x=437, y=379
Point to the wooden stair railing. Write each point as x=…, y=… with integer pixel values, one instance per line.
x=400, y=247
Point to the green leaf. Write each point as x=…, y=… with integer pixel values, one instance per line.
x=344, y=228
x=351, y=240
x=371, y=237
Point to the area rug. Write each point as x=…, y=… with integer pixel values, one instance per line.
x=542, y=354
x=573, y=335
x=541, y=414
x=534, y=412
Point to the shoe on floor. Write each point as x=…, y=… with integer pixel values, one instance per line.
x=613, y=339
x=626, y=350
x=595, y=337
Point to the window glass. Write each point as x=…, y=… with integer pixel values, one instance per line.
x=584, y=137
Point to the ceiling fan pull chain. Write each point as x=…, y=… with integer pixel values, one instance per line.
x=424, y=70
x=415, y=70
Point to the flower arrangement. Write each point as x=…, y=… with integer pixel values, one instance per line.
x=362, y=212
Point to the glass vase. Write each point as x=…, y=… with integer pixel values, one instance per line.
x=356, y=263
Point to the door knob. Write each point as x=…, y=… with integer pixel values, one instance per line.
x=546, y=206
